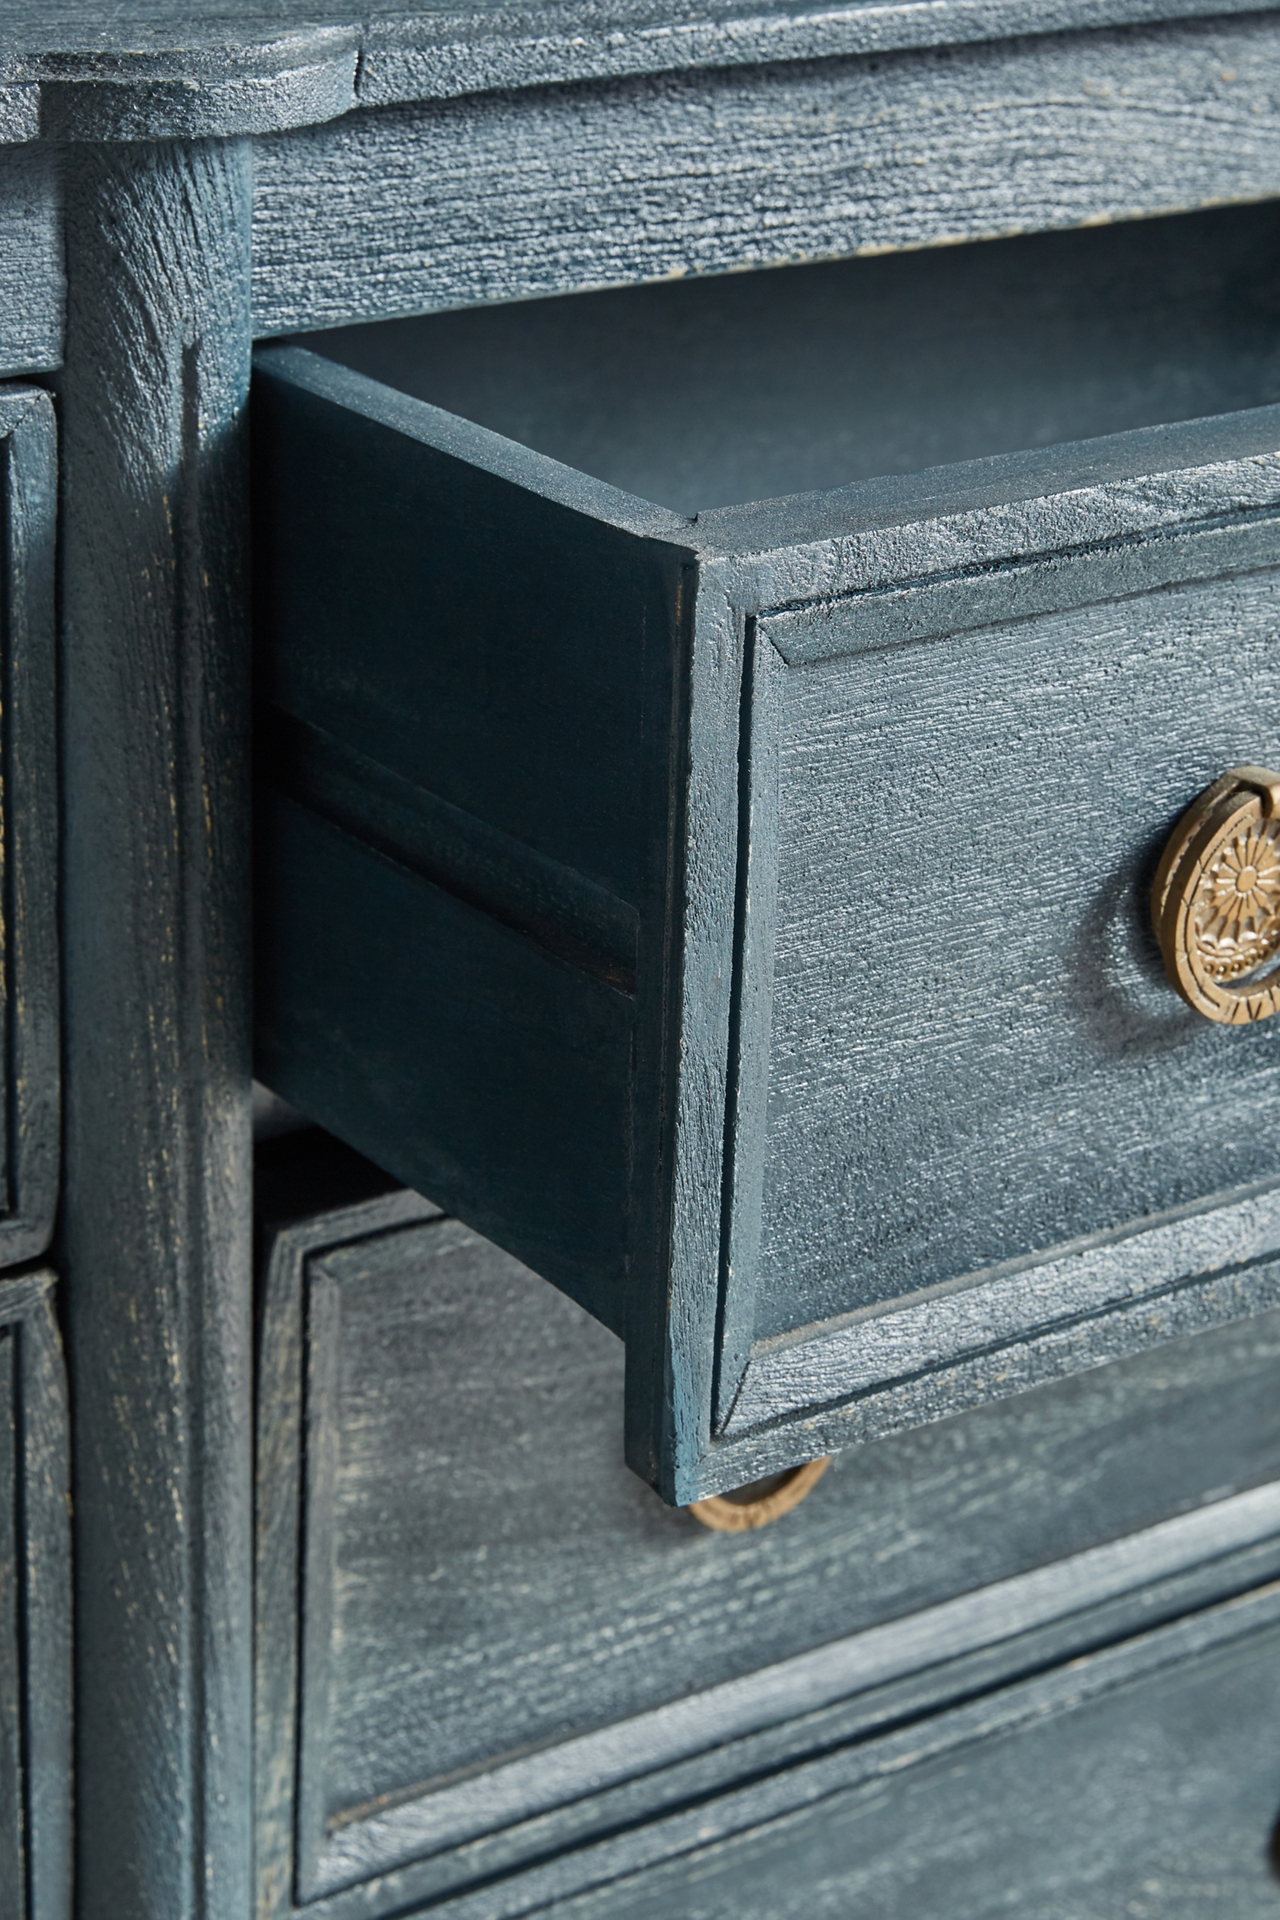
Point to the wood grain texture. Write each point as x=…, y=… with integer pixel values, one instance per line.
x=152, y=78
x=442, y=55
x=150, y=52
x=35, y=1607
x=1143, y=1779
x=547, y=1133
x=708, y=391
x=32, y=275
x=482, y=1576
x=507, y=196
x=29, y=814
x=156, y=1220
x=13, y=1876
x=789, y=1111
x=543, y=1161
x=1026, y=1081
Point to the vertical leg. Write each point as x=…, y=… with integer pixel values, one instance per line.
x=155, y=1247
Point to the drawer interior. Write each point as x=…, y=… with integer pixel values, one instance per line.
x=707, y=393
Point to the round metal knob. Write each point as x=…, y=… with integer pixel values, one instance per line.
x=1216, y=899
x=760, y=1502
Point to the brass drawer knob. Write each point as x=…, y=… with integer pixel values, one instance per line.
x=1215, y=903
x=760, y=1502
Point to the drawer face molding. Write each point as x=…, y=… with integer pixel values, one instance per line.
x=481, y=1639
x=743, y=920
x=970, y=1053
x=1143, y=1780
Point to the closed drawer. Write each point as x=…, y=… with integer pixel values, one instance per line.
x=1141, y=1782
x=742, y=917
x=482, y=1643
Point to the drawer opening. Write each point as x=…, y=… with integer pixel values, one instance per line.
x=708, y=393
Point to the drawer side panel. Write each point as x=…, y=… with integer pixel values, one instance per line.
x=451, y=1050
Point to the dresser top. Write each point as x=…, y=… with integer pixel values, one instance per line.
x=144, y=69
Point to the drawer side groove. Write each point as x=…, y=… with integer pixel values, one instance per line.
x=563, y=911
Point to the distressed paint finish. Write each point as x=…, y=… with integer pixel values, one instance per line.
x=1142, y=1779
x=35, y=1607
x=481, y=1640
x=92, y=70
x=593, y=144
x=779, y=1006
x=156, y=1221
x=509, y=195
x=29, y=973
x=936, y=125
x=32, y=276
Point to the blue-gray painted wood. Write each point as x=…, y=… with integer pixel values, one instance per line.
x=32, y=279
x=841, y=1215
x=450, y=202
x=98, y=75
x=28, y=818
x=565, y=1135
x=482, y=1639
x=909, y=361
x=35, y=1607
x=238, y=68
x=505, y=196
x=155, y=1222
x=647, y=163
x=1140, y=1780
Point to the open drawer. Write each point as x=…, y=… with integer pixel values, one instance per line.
x=738, y=907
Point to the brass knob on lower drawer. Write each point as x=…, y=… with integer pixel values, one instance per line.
x=1216, y=899
x=761, y=1501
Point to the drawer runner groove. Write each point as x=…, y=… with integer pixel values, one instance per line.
x=563, y=911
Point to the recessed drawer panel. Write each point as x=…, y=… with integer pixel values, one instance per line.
x=483, y=1642
x=743, y=916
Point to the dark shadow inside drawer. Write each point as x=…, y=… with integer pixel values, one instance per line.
x=706, y=393
x=470, y=1612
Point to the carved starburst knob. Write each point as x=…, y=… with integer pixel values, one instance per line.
x=1216, y=899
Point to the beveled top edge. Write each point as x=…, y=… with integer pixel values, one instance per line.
x=142, y=69
x=152, y=87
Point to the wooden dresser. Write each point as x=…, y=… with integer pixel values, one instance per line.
x=640, y=656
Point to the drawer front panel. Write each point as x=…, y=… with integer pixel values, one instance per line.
x=973, y=1049
x=476, y=1622
x=32, y=274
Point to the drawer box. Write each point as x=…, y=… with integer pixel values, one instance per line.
x=482, y=1642
x=741, y=916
